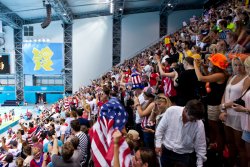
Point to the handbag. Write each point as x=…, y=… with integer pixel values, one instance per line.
x=240, y=101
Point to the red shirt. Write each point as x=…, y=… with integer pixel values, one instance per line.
x=33, y=163
x=126, y=76
x=99, y=104
x=153, y=80
x=31, y=130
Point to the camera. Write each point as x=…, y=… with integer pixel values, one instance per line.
x=22, y=132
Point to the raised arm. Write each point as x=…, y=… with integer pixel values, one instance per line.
x=162, y=73
x=209, y=78
x=116, y=137
x=140, y=111
x=55, y=146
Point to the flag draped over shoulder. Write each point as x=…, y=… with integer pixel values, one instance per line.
x=37, y=132
x=112, y=117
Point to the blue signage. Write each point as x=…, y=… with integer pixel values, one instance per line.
x=42, y=58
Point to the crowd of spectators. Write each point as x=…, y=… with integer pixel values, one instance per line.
x=187, y=101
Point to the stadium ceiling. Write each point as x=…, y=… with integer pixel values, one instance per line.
x=16, y=13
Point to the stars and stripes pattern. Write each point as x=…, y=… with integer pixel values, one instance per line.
x=169, y=89
x=2, y=156
x=37, y=132
x=112, y=117
x=136, y=80
x=66, y=104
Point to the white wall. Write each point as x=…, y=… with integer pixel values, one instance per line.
x=92, y=49
x=138, y=31
x=176, y=18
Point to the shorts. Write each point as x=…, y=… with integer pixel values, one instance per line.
x=246, y=136
x=213, y=112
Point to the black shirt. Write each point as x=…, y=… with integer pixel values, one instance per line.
x=188, y=87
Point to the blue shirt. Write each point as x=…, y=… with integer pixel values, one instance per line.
x=46, y=146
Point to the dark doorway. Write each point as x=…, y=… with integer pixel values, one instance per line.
x=40, y=98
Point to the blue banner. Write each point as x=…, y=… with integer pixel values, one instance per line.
x=42, y=58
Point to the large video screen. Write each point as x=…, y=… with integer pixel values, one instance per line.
x=4, y=64
x=42, y=58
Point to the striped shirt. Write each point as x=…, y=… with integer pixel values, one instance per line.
x=181, y=138
x=83, y=144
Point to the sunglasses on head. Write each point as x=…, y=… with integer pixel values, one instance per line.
x=158, y=98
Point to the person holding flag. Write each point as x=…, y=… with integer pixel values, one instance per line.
x=112, y=117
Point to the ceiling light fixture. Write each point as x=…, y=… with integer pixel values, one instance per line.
x=169, y=4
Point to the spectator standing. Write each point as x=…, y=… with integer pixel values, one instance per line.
x=179, y=134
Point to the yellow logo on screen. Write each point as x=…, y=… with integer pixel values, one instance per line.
x=42, y=59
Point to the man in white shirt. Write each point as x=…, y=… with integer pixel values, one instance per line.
x=179, y=134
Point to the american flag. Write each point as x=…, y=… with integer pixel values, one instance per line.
x=2, y=156
x=136, y=80
x=37, y=132
x=66, y=104
x=169, y=89
x=112, y=117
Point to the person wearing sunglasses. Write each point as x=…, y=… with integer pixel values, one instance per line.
x=162, y=103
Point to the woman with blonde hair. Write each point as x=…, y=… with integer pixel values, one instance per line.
x=245, y=109
x=144, y=113
x=19, y=162
x=162, y=103
x=231, y=118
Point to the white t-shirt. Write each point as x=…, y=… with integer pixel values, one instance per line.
x=93, y=107
x=163, y=60
x=63, y=129
x=57, y=129
x=147, y=70
x=45, y=141
x=56, y=115
x=137, y=116
x=14, y=152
